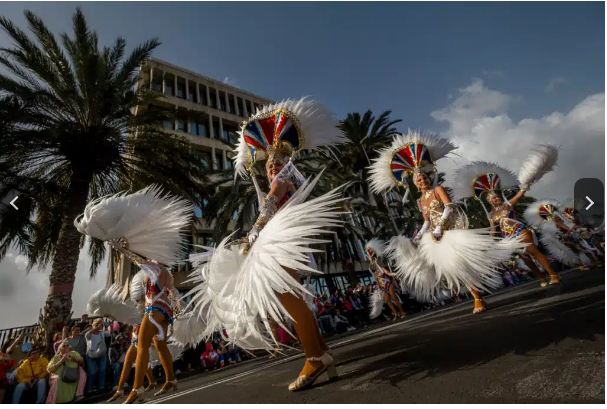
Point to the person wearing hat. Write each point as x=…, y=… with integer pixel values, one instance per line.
x=32, y=374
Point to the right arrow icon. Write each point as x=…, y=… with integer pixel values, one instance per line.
x=590, y=203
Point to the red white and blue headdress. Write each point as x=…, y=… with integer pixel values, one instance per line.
x=283, y=129
x=407, y=155
x=541, y=211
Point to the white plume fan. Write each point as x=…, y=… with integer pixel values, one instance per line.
x=376, y=303
x=381, y=177
x=152, y=222
x=136, y=289
x=107, y=302
x=542, y=160
x=317, y=124
x=466, y=175
x=377, y=245
x=532, y=212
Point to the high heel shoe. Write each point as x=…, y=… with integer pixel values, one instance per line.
x=306, y=380
x=118, y=394
x=151, y=387
x=479, y=306
x=135, y=395
x=554, y=279
x=167, y=387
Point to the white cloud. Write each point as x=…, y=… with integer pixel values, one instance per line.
x=553, y=84
x=22, y=294
x=478, y=121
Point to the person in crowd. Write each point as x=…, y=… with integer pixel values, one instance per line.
x=17, y=350
x=84, y=323
x=67, y=376
x=209, y=358
x=6, y=365
x=116, y=357
x=77, y=341
x=96, y=356
x=31, y=375
x=341, y=322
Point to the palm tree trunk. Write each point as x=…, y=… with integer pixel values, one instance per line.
x=58, y=307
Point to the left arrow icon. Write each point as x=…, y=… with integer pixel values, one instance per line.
x=13, y=202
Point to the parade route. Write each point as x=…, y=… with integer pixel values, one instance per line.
x=532, y=345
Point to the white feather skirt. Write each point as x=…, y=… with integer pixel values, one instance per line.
x=416, y=276
x=376, y=304
x=557, y=249
x=468, y=258
x=239, y=293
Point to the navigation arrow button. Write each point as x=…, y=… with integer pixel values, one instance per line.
x=12, y=203
x=590, y=203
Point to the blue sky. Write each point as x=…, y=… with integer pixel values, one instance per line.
x=407, y=57
x=497, y=78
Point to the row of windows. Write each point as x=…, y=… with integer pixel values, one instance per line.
x=200, y=128
x=201, y=94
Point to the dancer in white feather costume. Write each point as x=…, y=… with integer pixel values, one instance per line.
x=246, y=286
x=584, y=236
x=147, y=227
x=486, y=181
x=555, y=235
x=451, y=255
x=384, y=278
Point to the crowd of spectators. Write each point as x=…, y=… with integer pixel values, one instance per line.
x=87, y=361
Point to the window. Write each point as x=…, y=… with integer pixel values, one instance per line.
x=240, y=106
x=192, y=92
x=168, y=124
x=202, y=89
x=218, y=160
x=181, y=125
x=205, y=160
x=226, y=135
x=180, y=88
x=249, y=110
x=231, y=104
x=203, y=130
x=215, y=134
x=222, y=101
x=169, y=85
x=157, y=80
x=192, y=127
x=212, y=98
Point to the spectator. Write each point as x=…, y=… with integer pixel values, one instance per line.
x=116, y=355
x=30, y=375
x=96, y=356
x=209, y=358
x=84, y=323
x=67, y=378
x=341, y=322
x=77, y=341
x=6, y=365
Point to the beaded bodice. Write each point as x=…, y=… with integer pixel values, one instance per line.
x=507, y=220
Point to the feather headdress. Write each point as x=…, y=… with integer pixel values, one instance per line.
x=407, y=154
x=284, y=129
x=143, y=225
x=479, y=178
x=540, y=211
x=377, y=246
x=541, y=161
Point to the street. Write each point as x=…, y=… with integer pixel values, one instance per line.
x=532, y=345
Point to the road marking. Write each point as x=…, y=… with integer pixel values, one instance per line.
x=346, y=341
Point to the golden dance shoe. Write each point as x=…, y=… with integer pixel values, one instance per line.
x=118, y=394
x=136, y=395
x=313, y=368
x=555, y=279
x=479, y=306
x=167, y=387
x=543, y=283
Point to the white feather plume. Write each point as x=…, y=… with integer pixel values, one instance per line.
x=317, y=124
x=376, y=303
x=380, y=174
x=541, y=161
x=136, y=288
x=239, y=293
x=377, y=245
x=107, y=302
x=532, y=212
x=188, y=329
x=557, y=249
x=464, y=177
x=152, y=222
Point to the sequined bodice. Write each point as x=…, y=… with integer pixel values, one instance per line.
x=507, y=220
x=433, y=211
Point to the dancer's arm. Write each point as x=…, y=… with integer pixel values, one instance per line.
x=278, y=189
x=514, y=199
x=443, y=197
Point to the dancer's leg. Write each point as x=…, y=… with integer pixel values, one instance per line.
x=397, y=303
x=479, y=303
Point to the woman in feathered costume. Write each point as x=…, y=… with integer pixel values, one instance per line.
x=385, y=281
x=585, y=236
x=444, y=253
x=556, y=235
x=245, y=286
x=486, y=181
x=146, y=227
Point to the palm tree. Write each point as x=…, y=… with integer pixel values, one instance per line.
x=81, y=130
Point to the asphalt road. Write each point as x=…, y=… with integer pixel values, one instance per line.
x=532, y=345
